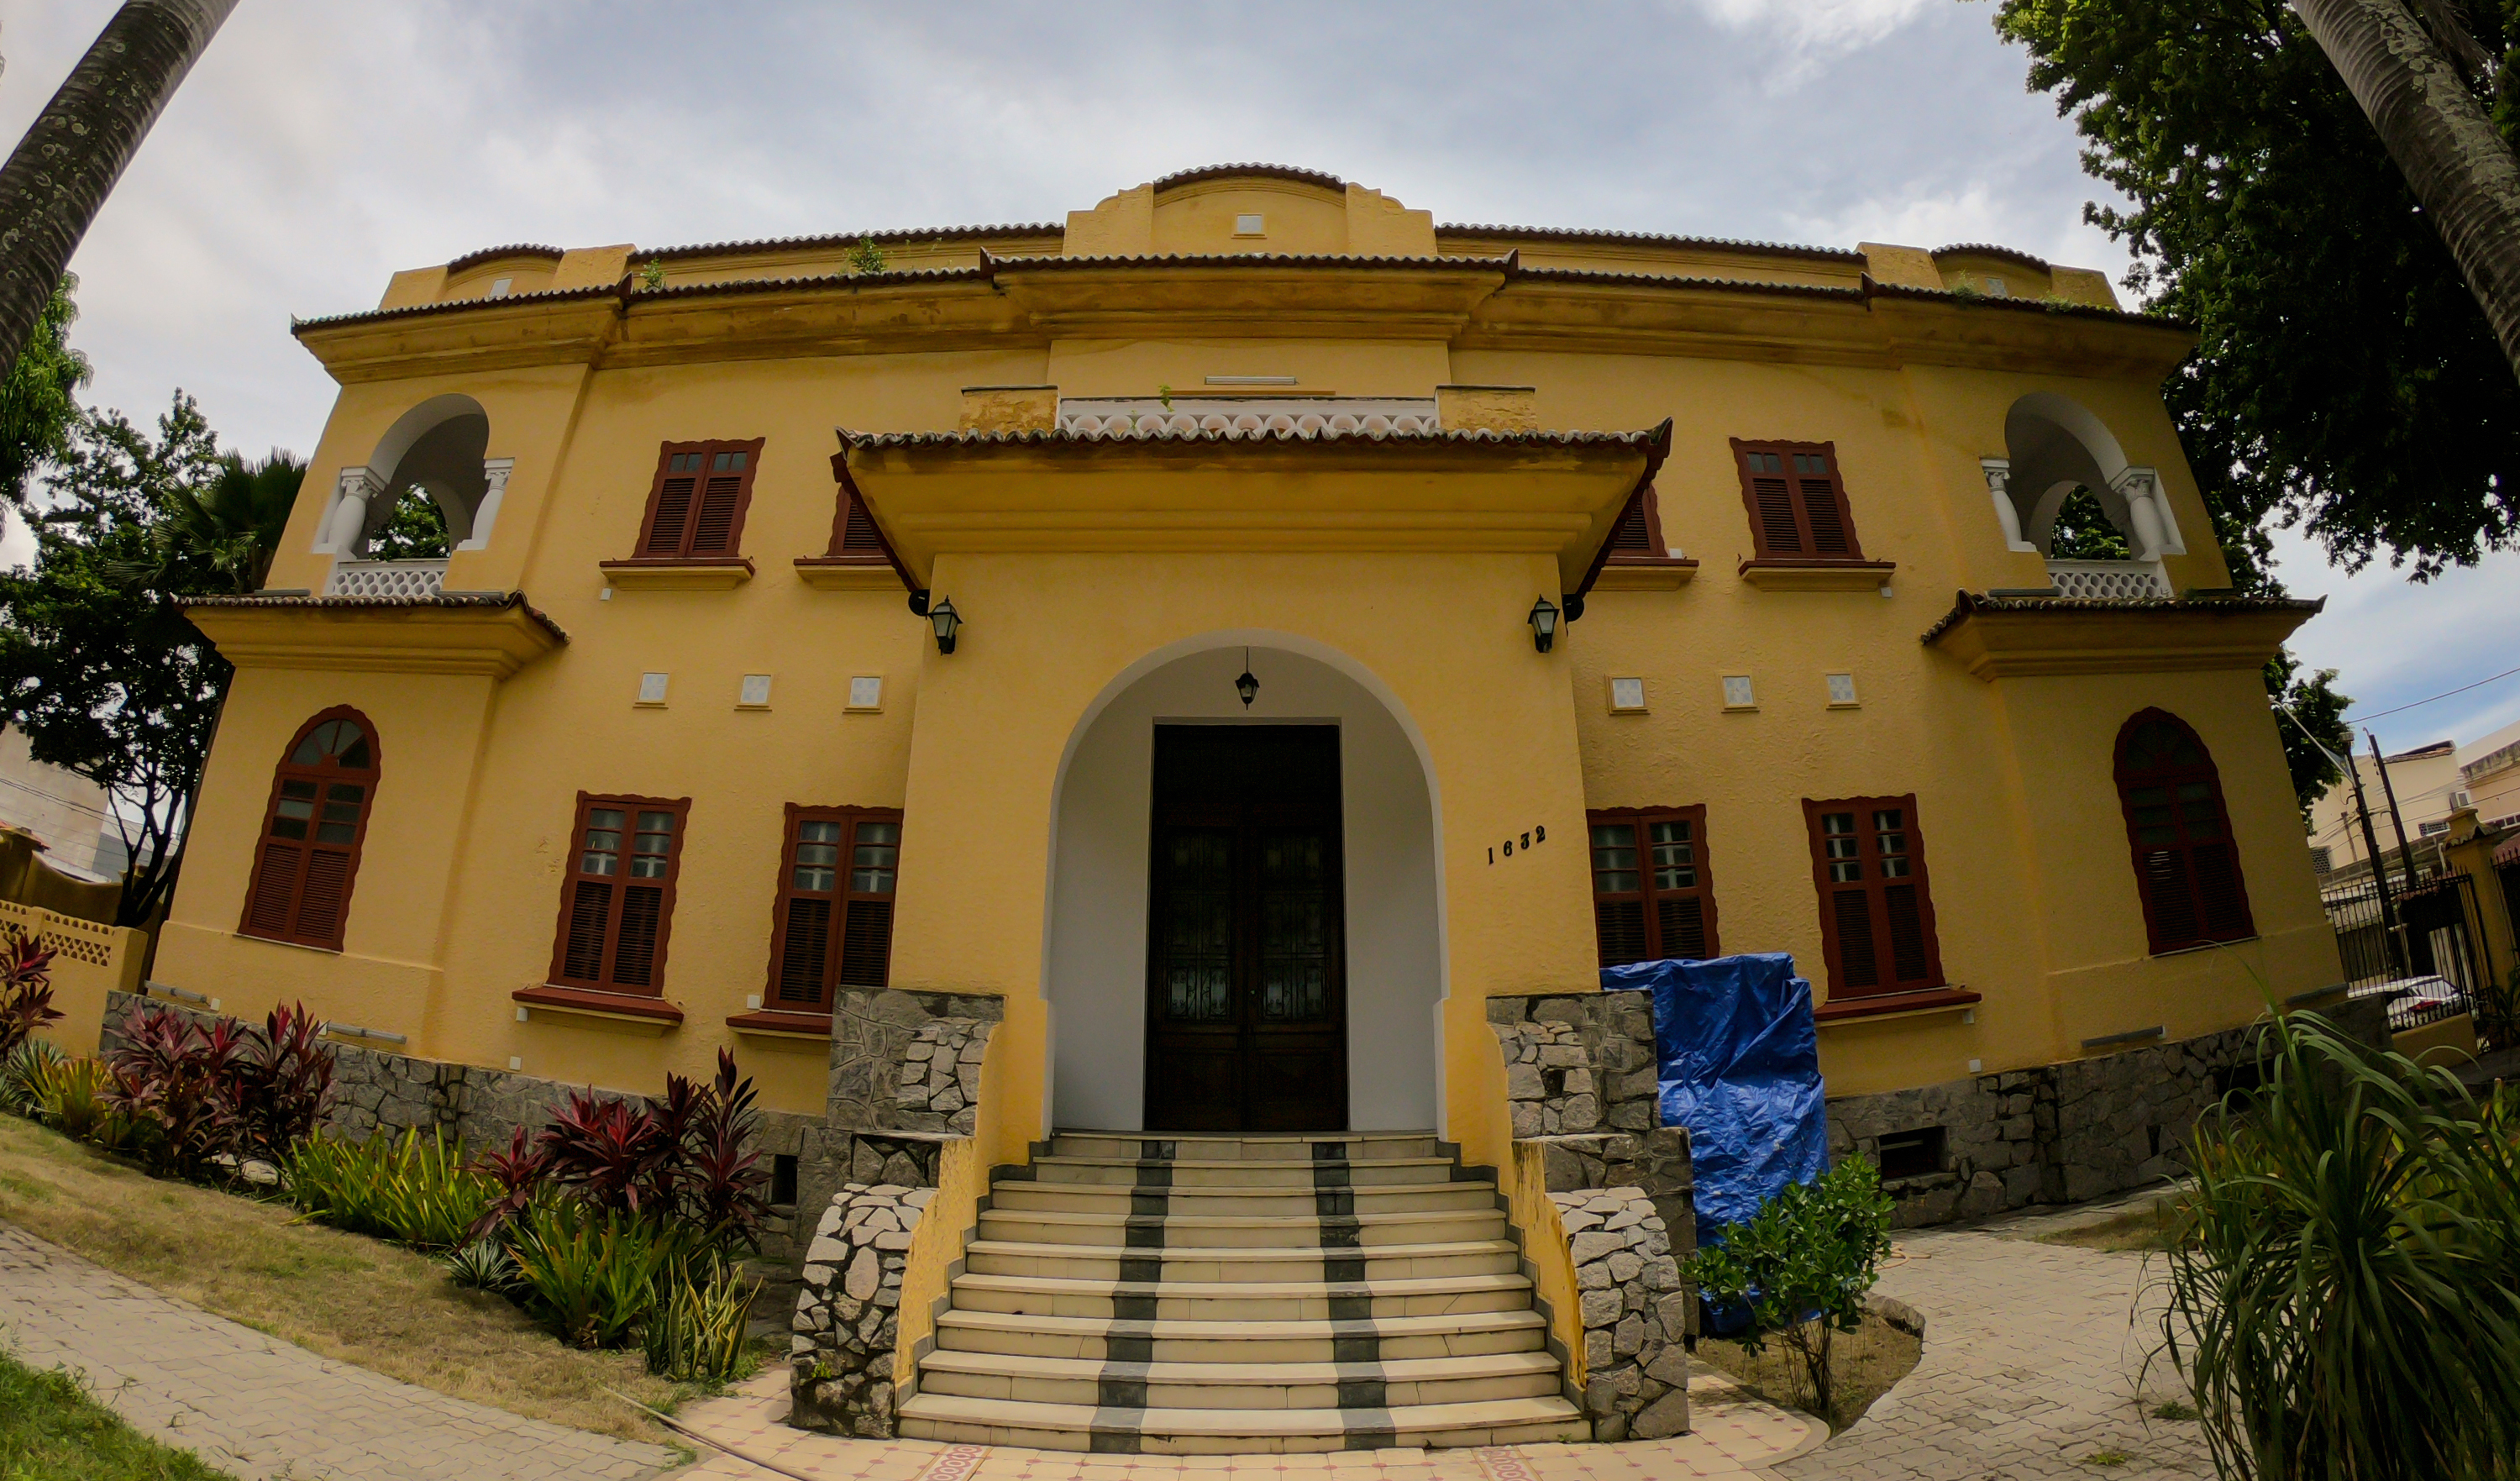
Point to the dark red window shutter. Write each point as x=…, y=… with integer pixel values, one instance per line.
x=312, y=832
x=1796, y=500
x=837, y=870
x=618, y=903
x=1653, y=889
x=697, y=506
x=1876, y=907
x=2186, y=863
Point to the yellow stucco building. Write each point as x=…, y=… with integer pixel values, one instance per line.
x=855, y=667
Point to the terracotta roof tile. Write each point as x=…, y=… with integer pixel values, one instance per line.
x=850, y=238
x=1648, y=439
x=1274, y=171
x=1245, y=259
x=1990, y=250
x=363, y=316
x=460, y=600
x=1649, y=239
x=1967, y=605
x=1880, y=289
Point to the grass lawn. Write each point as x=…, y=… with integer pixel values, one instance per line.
x=1863, y=1364
x=51, y=1430
x=2137, y=1230
x=346, y=1297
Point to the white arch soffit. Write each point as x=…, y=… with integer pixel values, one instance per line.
x=1329, y=658
x=370, y=479
x=2130, y=496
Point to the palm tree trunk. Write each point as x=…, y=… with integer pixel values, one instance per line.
x=66, y=166
x=2462, y=170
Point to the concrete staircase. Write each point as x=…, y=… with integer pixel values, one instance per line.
x=1241, y=1294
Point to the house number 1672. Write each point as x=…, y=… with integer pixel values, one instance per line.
x=1536, y=836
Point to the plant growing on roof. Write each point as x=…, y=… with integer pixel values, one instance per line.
x=651, y=277
x=866, y=257
x=26, y=987
x=1800, y=1267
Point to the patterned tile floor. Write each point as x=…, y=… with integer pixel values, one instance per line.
x=1735, y=1435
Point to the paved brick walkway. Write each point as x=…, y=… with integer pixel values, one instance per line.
x=257, y=1407
x=2035, y=1360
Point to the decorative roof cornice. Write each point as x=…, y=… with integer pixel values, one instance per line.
x=1875, y=288
x=901, y=236
x=1648, y=439
x=1966, y=604
x=994, y=262
x=298, y=326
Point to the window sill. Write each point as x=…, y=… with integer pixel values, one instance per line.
x=716, y=574
x=837, y=573
x=1938, y=999
x=1789, y=576
x=653, y=1016
x=304, y=946
x=772, y=1023
x=1656, y=573
x=2203, y=946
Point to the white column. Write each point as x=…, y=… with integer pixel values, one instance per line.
x=494, y=476
x=1998, y=482
x=2156, y=529
x=344, y=531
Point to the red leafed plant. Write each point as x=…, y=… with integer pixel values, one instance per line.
x=680, y=1157
x=25, y=988
x=281, y=1087
x=174, y=1074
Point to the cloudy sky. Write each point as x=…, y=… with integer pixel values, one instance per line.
x=320, y=145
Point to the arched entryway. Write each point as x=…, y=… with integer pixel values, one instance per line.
x=1268, y=870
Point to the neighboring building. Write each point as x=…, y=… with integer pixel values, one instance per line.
x=2489, y=779
x=64, y=811
x=1599, y=591
x=2430, y=784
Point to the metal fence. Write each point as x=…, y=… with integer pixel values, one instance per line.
x=2437, y=922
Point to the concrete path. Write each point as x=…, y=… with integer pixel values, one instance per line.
x=2034, y=1361
x=257, y=1407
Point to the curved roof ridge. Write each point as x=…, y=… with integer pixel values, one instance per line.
x=491, y=254
x=1992, y=249
x=851, y=239
x=1297, y=172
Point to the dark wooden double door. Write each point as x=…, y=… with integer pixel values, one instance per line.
x=1247, y=990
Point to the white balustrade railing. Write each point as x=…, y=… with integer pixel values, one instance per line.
x=2109, y=580
x=386, y=578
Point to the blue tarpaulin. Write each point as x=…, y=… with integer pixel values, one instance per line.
x=1741, y=1069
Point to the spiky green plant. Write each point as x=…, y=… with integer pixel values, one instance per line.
x=594, y=1276
x=696, y=1333
x=18, y=1072
x=72, y=1097
x=411, y=1188
x=2343, y=1296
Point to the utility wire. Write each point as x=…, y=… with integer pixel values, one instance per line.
x=2444, y=694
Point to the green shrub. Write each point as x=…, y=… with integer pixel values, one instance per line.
x=2342, y=1299
x=18, y=1072
x=72, y=1096
x=482, y=1265
x=696, y=1333
x=593, y=1276
x=412, y=1188
x=1801, y=1266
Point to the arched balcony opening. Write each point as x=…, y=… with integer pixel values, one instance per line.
x=2064, y=489
x=426, y=492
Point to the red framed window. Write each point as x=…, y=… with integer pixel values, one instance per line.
x=833, y=921
x=617, y=909
x=307, y=856
x=1638, y=536
x=1797, y=501
x=2186, y=863
x=1653, y=886
x=1876, y=907
x=696, y=504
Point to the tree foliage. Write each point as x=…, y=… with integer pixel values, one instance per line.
x=1799, y=1269
x=98, y=665
x=416, y=530
x=36, y=409
x=2345, y=378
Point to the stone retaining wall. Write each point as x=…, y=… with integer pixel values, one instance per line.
x=2056, y=1134
x=1634, y=1313
x=849, y=1313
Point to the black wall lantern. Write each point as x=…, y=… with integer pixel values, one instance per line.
x=1248, y=685
x=947, y=622
x=1544, y=625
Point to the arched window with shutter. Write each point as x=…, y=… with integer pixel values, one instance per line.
x=2186, y=863
x=308, y=855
